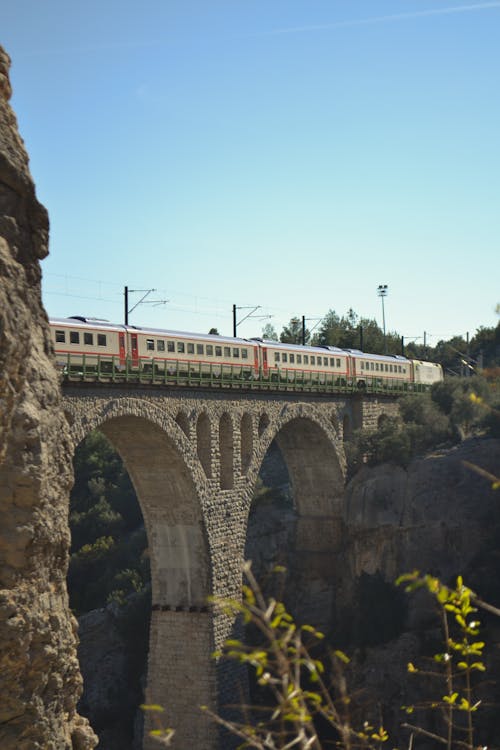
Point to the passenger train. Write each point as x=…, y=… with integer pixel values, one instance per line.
x=88, y=348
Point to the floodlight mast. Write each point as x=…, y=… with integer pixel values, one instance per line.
x=382, y=291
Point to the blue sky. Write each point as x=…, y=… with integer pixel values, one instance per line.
x=292, y=155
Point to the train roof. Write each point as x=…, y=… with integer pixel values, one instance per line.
x=381, y=357
x=78, y=321
x=212, y=337
x=296, y=347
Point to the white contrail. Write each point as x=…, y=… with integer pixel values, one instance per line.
x=393, y=17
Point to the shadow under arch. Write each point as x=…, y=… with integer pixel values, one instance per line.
x=181, y=637
x=315, y=462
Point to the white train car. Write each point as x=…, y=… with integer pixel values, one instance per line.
x=372, y=369
x=426, y=373
x=196, y=353
x=78, y=341
x=287, y=362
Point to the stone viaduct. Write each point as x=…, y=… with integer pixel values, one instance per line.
x=194, y=457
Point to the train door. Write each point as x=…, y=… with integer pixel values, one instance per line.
x=256, y=361
x=134, y=348
x=121, y=347
x=265, y=367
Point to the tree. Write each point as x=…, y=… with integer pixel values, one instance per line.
x=269, y=333
x=292, y=333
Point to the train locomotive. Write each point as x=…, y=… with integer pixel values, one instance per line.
x=89, y=348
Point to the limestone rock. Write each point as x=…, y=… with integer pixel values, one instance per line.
x=39, y=674
x=438, y=516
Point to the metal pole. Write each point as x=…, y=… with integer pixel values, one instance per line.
x=382, y=290
x=402, y=346
x=303, y=330
x=126, y=305
x=361, y=338
x=234, y=321
x=383, y=321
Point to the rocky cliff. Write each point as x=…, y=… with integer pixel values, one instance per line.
x=438, y=516
x=39, y=674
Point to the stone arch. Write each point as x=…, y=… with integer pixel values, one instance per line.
x=204, y=442
x=246, y=433
x=167, y=478
x=316, y=466
x=226, y=447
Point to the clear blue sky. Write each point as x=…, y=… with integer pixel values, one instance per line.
x=293, y=155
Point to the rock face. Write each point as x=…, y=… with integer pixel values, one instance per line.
x=438, y=516
x=39, y=674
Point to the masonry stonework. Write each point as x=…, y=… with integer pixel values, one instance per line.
x=194, y=458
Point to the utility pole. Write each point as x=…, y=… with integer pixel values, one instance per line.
x=303, y=330
x=250, y=315
x=127, y=291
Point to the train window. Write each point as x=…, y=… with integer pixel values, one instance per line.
x=292, y=358
x=244, y=354
x=332, y=362
x=387, y=368
x=150, y=345
x=74, y=337
x=325, y=361
x=285, y=357
x=372, y=365
x=362, y=365
x=210, y=350
x=227, y=351
x=313, y=359
x=236, y=352
x=60, y=337
x=199, y=348
x=160, y=345
x=170, y=346
x=299, y=359
x=88, y=338
x=399, y=368
x=376, y=365
x=390, y=368
x=190, y=348
x=338, y=362
x=218, y=351
x=101, y=339
x=180, y=347
x=276, y=356
x=306, y=359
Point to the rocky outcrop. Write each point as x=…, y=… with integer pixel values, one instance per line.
x=439, y=516
x=39, y=674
